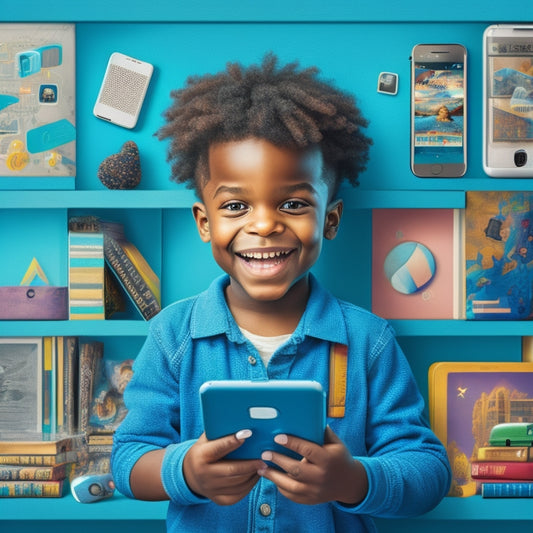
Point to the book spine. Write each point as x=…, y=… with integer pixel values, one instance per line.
x=502, y=470
x=39, y=473
x=31, y=489
x=130, y=278
x=47, y=385
x=39, y=460
x=86, y=276
x=90, y=357
x=507, y=490
x=60, y=382
x=71, y=361
x=504, y=453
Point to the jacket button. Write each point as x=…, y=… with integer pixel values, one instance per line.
x=265, y=509
x=252, y=360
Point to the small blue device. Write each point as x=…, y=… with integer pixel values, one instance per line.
x=267, y=408
x=92, y=487
x=32, y=61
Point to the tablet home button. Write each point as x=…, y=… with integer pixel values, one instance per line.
x=436, y=169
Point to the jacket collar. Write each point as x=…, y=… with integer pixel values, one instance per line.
x=323, y=317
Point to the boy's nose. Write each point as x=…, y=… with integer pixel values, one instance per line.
x=264, y=222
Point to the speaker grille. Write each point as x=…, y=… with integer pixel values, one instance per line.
x=123, y=89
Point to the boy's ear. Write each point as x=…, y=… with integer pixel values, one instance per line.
x=202, y=223
x=333, y=219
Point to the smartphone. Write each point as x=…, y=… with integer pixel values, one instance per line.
x=267, y=408
x=508, y=101
x=438, y=110
x=123, y=89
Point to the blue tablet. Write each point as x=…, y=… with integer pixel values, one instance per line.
x=267, y=408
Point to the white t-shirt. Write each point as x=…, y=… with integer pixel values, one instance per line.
x=266, y=346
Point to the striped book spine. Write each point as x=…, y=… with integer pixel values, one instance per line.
x=86, y=276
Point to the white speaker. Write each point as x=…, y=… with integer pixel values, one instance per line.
x=123, y=90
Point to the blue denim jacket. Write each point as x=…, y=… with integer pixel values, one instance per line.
x=197, y=339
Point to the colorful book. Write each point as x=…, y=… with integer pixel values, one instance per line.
x=507, y=490
x=505, y=453
x=91, y=354
x=108, y=408
x=499, y=255
x=145, y=270
x=129, y=266
x=416, y=259
x=131, y=278
x=39, y=443
x=502, y=470
x=86, y=276
x=466, y=400
x=39, y=459
x=32, y=489
x=48, y=385
x=70, y=383
x=39, y=473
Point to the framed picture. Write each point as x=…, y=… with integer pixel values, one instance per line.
x=37, y=106
x=466, y=400
x=21, y=363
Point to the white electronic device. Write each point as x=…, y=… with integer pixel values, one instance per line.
x=92, y=487
x=123, y=90
x=508, y=101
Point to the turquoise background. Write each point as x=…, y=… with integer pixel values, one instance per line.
x=351, y=42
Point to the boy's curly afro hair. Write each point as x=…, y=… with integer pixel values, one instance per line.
x=285, y=105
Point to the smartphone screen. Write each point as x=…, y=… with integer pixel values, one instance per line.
x=509, y=101
x=438, y=122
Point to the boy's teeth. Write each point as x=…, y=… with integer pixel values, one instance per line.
x=263, y=255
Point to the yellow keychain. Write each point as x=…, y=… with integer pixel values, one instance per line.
x=17, y=156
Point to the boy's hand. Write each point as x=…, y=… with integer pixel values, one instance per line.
x=224, y=481
x=325, y=473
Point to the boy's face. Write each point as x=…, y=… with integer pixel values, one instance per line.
x=265, y=211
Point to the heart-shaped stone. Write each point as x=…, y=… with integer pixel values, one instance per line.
x=122, y=170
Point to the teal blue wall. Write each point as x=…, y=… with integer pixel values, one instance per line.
x=351, y=42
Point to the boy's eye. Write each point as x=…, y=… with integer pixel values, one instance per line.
x=234, y=206
x=293, y=204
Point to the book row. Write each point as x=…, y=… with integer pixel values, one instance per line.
x=60, y=385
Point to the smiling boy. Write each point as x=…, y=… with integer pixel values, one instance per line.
x=266, y=148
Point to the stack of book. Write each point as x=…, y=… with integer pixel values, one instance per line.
x=504, y=469
x=137, y=279
x=37, y=464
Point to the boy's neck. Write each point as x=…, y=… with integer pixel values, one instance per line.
x=268, y=318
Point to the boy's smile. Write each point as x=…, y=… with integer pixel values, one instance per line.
x=265, y=211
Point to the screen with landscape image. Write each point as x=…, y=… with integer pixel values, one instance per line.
x=439, y=113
